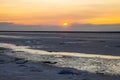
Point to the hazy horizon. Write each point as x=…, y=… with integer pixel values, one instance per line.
x=4, y=26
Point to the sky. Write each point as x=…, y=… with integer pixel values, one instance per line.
x=57, y=12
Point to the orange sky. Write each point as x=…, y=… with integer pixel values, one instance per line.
x=56, y=12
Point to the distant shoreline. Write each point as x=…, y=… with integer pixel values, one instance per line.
x=66, y=31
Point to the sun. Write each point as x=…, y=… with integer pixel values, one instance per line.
x=65, y=24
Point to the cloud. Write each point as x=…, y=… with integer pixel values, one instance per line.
x=93, y=27
x=6, y=26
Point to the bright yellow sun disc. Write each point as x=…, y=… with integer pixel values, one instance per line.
x=65, y=23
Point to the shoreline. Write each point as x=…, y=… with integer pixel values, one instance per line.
x=17, y=65
x=33, y=51
x=36, y=56
x=69, y=58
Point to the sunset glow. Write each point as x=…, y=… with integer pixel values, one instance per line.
x=55, y=11
x=65, y=23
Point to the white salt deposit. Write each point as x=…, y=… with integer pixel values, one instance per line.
x=5, y=36
x=33, y=51
x=8, y=36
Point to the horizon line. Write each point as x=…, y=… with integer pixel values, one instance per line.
x=58, y=24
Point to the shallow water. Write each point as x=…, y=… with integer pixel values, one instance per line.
x=89, y=43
